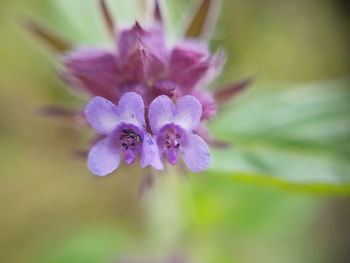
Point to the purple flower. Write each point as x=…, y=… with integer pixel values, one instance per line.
x=174, y=126
x=124, y=131
x=142, y=63
x=144, y=75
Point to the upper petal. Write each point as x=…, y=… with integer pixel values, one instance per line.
x=131, y=109
x=189, y=63
x=142, y=53
x=152, y=38
x=95, y=69
x=161, y=111
x=150, y=153
x=188, y=112
x=102, y=115
x=208, y=104
x=196, y=154
x=103, y=158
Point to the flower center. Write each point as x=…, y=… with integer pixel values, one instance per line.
x=171, y=137
x=129, y=138
x=172, y=140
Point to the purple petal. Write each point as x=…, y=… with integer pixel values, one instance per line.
x=188, y=112
x=102, y=115
x=103, y=158
x=195, y=45
x=131, y=109
x=189, y=63
x=150, y=153
x=196, y=154
x=142, y=53
x=130, y=156
x=171, y=156
x=152, y=39
x=161, y=111
x=208, y=104
x=96, y=70
x=217, y=62
x=165, y=87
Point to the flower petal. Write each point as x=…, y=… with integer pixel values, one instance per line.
x=103, y=158
x=208, y=104
x=131, y=109
x=95, y=69
x=102, y=115
x=171, y=155
x=152, y=39
x=150, y=153
x=188, y=112
x=189, y=63
x=161, y=111
x=130, y=156
x=142, y=53
x=196, y=154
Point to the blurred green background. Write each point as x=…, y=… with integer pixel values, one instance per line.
x=280, y=195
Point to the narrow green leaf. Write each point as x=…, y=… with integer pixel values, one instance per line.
x=203, y=19
x=52, y=39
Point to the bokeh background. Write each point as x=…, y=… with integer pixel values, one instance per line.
x=280, y=195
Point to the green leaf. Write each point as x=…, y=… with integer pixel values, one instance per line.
x=297, y=133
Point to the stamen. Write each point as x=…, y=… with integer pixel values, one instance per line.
x=168, y=144
x=172, y=139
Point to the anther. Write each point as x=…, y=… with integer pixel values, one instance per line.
x=167, y=144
